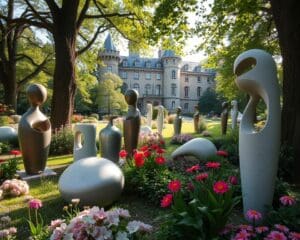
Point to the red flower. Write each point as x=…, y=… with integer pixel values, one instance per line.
x=139, y=159
x=123, y=154
x=2, y=160
x=221, y=187
x=160, y=150
x=174, y=186
x=253, y=215
x=287, y=200
x=222, y=153
x=144, y=148
x=154, y=146
x=193, y=168
x=162, y=142
x=147, y=153
x=201, y=177
x=15, y=152
x=35, y=204
x=213, y=165
x=166, y=200
x=160, y=160
x=233, y=180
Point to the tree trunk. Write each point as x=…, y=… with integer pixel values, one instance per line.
x=10, y=85
x=287, y=20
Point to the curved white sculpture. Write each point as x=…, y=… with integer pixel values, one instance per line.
x=149, y=115
x=257, y=75
x=86, y=131
x=201, y=148
x=95, y=181
x=8, y=134
x=160, y=118
x=234, y=113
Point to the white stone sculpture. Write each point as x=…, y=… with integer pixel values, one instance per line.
x=201, y=148
x=84, y=141
x=259, y=150
x=234, y=113
x=8, y=134
x=95, y=181
x=160, y=118
x=149, y=115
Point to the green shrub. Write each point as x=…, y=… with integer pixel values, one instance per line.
x=202, y=125
x=5, y=147
x=286, y=162
x=89, y=120
x=8, y=169
x=5, y=120
x=62, y=142
x=95, y=115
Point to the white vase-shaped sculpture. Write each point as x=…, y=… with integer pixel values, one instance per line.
x=259, y=150
x=234, y=114
x=149, y=114
x=84, y=141
x=160, y=119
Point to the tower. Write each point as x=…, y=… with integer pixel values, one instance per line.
x=171, y=79
x=109, y=56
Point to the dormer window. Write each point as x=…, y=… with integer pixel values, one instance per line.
x=198, y=69
x=136, y=63
x=158, y=65
x=125, y=63
x=186, y=67
x=148, y=64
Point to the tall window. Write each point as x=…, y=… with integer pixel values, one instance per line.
x=124, y=75
x=186, y=106
x=136, y=63
x=198, y=91
x=157, y=90
x=109, y=68
x=158, y=65
x=136, y=75
x=186, y=78
x=173, y=105
x=198, y=79
x=158, y=76
x=186, y=91
x=173, y=89
x=148, y=64
x=136, y=86
x=147, y=89
x=173, y=74
x=125, y=63
x=148, y=76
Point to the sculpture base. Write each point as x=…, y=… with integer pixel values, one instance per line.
x=26, y=177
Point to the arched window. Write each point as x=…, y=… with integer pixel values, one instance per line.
x=173, y=74
x=157, y=90
x=198, y=91
x=173, y=89
x=147, y=89
x=136, y=86
x=186, y=106
x=173, y=105
x=186, y=91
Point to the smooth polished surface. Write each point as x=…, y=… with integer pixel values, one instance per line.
x=259, y=150
x=196, y=118
x=95, y=181
x=234, y=113
x=110, y=139
x=177, y=121
x=149, y=115
x=84, y=141
x=201, y=148
x=160, y=118
x=35, y=131
x=8, y=134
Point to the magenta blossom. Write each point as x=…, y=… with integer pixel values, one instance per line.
x=35, y=204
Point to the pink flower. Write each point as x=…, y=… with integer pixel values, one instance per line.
x=261, y=229
x=213, y=165
x=166, y=200
x=275, y=235
x=253, y=215
x=15, y=152
x=193, y=168
x=242, y=235
x=287, y=200
x=35, y=204
x=282, y=228
x=160, y=160
x=221, y=187
x=222, y=153
x=294, y=236
x=201, y=177
x=233, y=180
x=246, y=227
x=174, y=186
x=55, y=223
x=123, y=154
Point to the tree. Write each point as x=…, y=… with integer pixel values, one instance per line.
x=210, y=101
x=110, y=99
x=11, y=55
x=67, y=20
x=235, y=26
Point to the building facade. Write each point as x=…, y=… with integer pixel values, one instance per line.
x=166, y=80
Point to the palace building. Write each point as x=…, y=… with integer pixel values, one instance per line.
x=166, y=80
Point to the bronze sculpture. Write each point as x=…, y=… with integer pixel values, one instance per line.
x=177, y=121
x=196, y=117
x=35, y=131
x=224, y=117
x=132, y=122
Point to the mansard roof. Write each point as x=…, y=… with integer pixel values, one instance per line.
x=138, y=62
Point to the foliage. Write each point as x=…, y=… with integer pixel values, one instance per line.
x=62, y=142
x=6, y=110
x=5, y=120
x=286, y=162
x=5, y=147
x=202, y=125
x=210, y=101
x=181, y=139
x=204, y=210
x=95, y=115
x=8, y=169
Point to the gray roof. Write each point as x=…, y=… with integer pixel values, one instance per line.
x=195, y=67
x=137, y=61
x=108, y=44
x=169, y=53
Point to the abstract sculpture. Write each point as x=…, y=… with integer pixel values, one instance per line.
x=35, y=131
x=177, y=121
x=149, y=114
x=8, y=134
x=259, y=150
x=132, y=122
x=224, y=117
x=110, y=139
x=234, y=114
x=86, y=133
x=196, y=118
x=160, y=118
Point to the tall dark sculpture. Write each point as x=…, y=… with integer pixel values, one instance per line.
x=196, y=119
x=132, y=122
x=110, y=139
x=177, y=121
x=224, y=117
x=35, y=131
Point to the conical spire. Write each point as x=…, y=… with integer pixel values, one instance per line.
x=108, y=44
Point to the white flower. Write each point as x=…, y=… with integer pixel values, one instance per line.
x=122, y=236
x=112, y=218
x=5, y=219
x=88, y=219
x=135, y=226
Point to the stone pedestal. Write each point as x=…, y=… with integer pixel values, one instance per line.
x=46, y=173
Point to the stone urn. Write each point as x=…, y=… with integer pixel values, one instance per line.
x=110, y=139
x=35, y=131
